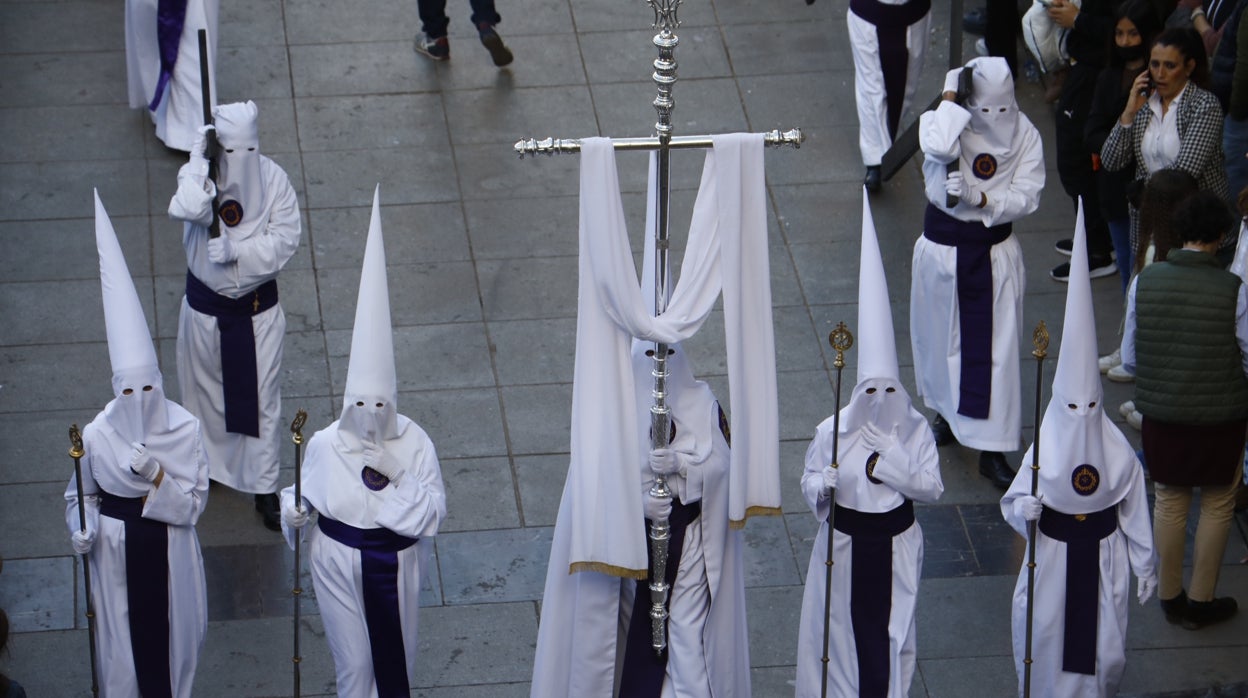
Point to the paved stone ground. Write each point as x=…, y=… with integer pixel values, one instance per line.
x=482, y=249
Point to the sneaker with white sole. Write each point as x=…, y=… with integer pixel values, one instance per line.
x=1136, y=420
x=1064, y=246
x=438, y=49
x=499, y=53
x=1119, y=374
x=1110, y=360
x=1126, y=408
x=1099, y=265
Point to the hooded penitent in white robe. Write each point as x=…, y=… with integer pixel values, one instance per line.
x=265, y=236
x=879, y=640
x=888, y=41
x=371, y=630
x=162, y=65
x=599, y=545
x=134, y=648
x=1000, y=154
x=1086, y=466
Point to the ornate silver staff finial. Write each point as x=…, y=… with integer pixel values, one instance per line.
x=665, y=14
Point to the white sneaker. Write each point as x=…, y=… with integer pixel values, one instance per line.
x=1135, y=419
x=1110, y=360
x=1119, y=374
x=1126, y=408
x=981, y=46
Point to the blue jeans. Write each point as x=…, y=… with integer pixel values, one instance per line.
x=1120, y=234
x=433, y=19
x=1235, y=146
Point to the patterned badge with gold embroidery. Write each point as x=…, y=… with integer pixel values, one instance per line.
x=723, y=425
x=871, y=461
x=1086, y=479
x=984, y=166
x=231, y=213
x=374, y=480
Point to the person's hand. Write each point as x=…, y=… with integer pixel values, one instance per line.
x=956, y=185
x=379, y=459
x=1028, y=508
x=876, y=440
x=1146, y=588
x=295, y=517
x=657, y=508
x=221, y=250
x=1063, y=13
x=200, y=143
x=142, y=463
x=82, y=540
x=665, y=461
x=1141, y=88
x=951, y=82
x=829, y=481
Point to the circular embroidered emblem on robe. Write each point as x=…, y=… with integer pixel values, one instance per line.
x=1085, y=480
x=723, y=425
x=984, y=166
x=374, y=480
x=871, y=461
x=231, y=213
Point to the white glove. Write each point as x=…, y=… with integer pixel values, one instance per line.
x=665, y=461
x=656, y=507
x=1028, y=507
x=295, y=518
x=84, y=540
x=142, y=463
x=951, y=80
x=829, y=482
x=378, y=459
x=1146, y=587
x=877, y=440
x=956, y=185
x=221, y=250
x=201, y=142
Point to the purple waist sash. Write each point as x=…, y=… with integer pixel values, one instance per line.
x=643, y=671
x=974, y=243
x=1082, y=534
x=147, y=592
x=238, y=348
x=871, y=588
x=891, y=23
x=379, y=572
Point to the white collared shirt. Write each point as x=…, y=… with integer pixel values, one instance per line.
x=1160, y=144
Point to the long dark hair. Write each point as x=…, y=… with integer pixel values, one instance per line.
x=1162, y=193
x=1189, y=45
x=1143, y=15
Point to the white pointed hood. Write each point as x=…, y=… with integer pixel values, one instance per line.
x=132, y=355
x=878, y=397
x=369, y=411
x=240, y=183
x=1085, y=461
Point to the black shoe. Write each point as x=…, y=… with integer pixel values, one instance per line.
x=1202, y=613
x=493, y=43
x=1175, y=608
x=269, y=509
x=992, y=465
x=1064, y=246
x=872, y=180
x=975, y=21
x=1098, y=265
x=941, y=431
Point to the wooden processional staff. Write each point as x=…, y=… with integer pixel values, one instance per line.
x=663, y=142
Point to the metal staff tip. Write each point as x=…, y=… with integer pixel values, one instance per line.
x=75, y=441
x=841, y=340
x=1040, y=338
x=665, y=13
x=296, y=426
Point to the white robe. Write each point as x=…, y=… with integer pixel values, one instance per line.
x=869, y=93
x=918, y=479
x=245, y=463
x=1130, y=548
x=178, y=501
x=934, y=332
x=585, y=615
x=180, y=111
x=412, y=506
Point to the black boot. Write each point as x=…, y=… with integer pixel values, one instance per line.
x=269, y=509
x=941, y=431
x=872, y=180
x=993, y=466
x=1175, y=609
x=1202, y=613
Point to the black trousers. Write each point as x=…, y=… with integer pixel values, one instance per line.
x=434, y=21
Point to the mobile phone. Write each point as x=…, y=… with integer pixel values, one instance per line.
x=1147, y=89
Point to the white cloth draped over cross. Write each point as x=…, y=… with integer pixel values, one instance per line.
x=726, y=250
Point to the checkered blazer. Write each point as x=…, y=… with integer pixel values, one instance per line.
x=1200, y=140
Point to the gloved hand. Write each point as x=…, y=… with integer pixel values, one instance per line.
x=829, y=481
x=221, y=250
x=956, y=185
x=951, y=80
x=200, y=143
x=378, y=459
x=656, y=507
x=294, y=518
x=142, y=463
x=877, y=440
x=83, y=541
x=665, y=461
x=1028, y=507
x=1146, y=587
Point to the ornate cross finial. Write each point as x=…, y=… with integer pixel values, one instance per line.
x=665, y=14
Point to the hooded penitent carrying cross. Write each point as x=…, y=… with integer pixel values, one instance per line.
x=887, y=458
x=145, y=483
x=600, y=544
x=373, y=480
x=162, y=64
x=1094, y=527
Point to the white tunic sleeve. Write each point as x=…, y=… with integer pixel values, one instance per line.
x=192, y=202
x=818, y=455
x=416, y=503
x=1134, y=521
x=183, y=492
x=1022, y=196
x=262, y=255
x=939, y=131
x=913, y=470
x=90, y=498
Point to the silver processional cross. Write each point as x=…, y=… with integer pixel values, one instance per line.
x=663, y=142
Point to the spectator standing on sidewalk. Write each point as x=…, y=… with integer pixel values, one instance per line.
x=432, y=41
